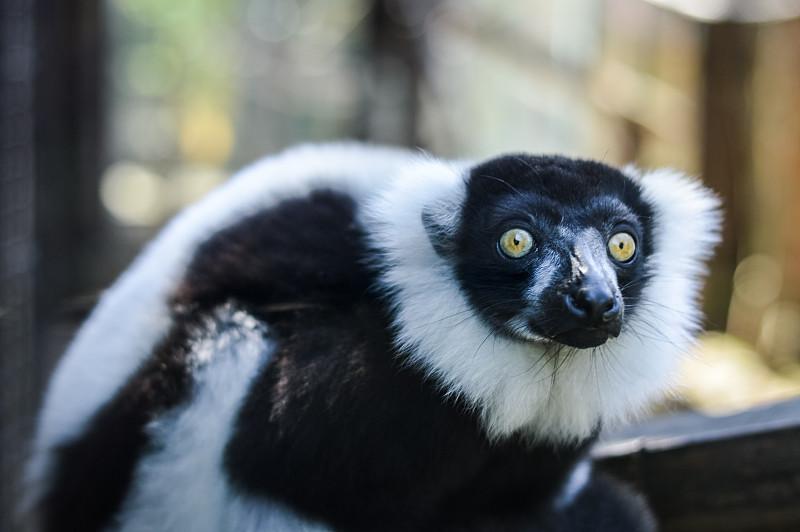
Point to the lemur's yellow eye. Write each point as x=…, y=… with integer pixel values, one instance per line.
x=622, y=247
x=516, y=243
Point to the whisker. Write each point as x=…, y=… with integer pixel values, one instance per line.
x=470, y=312
x=526, y=163
x=475, y=354
x=610, y=361
x=598, y=354
x=503, y=181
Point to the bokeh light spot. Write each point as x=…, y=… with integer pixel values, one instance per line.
x=133, y=194
x=206, y=134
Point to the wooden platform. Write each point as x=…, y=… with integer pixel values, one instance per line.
x=701, y=473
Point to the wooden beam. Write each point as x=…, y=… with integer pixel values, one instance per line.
x=700, y=473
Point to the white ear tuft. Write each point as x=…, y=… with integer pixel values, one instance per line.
x=441, y=219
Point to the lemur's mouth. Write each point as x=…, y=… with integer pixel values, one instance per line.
x=584, y=338
x=569, y=334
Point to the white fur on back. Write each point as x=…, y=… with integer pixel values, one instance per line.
x=182, y=486
x=132, y=316
x=517, y=385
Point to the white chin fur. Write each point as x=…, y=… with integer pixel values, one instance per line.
x=527, y=387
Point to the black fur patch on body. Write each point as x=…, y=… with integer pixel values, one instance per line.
x=336, y=428
x=302, y=251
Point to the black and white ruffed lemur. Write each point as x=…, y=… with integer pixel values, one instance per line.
x=356, y=338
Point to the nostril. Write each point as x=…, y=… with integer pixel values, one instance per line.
x=610, y=310
x=576, y=306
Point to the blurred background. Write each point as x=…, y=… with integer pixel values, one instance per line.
x=117, y=113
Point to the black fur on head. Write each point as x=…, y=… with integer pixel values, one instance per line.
x=567, y=287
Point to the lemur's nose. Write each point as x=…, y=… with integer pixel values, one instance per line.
x=595, y=305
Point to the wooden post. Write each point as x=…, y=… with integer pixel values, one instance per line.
x=396, y=69
x=18, y=366
x=727, y=149
x=50, y=105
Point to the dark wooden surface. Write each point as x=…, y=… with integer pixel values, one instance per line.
x=702, y=473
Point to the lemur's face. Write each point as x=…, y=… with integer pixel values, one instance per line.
x=551, y=249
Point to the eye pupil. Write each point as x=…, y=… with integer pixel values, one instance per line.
x=622, y=247
x=515, y=243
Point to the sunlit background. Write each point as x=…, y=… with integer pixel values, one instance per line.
x=117, y=114
x=203, y=88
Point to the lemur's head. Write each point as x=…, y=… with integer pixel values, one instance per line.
x=552, y=294
x=549, y=248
